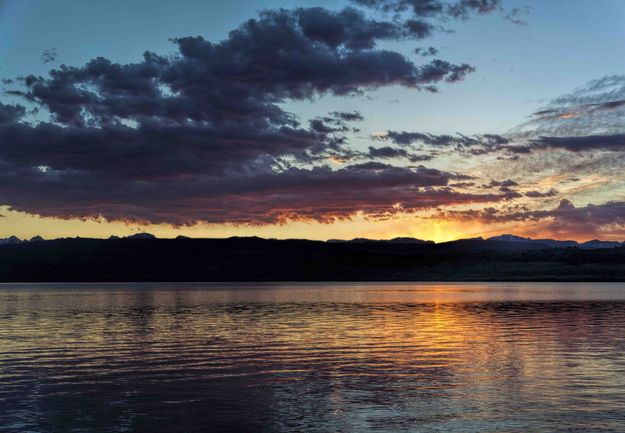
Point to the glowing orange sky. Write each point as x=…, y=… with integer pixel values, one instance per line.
x=368, y=150
x=26, y=226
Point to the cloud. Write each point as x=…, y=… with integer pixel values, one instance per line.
x=596, y=108
x=282, y=55
x=504, y=185
x=589, y=217
x=202, y=135
x=588, y=119
x=538, y=194
x=11, y=113
x=388, y=152
x=353, y=116
x=615, y=142
x=566, y=218
x=320, y=193
x=434, y=8
x=49, y=55
x=476, y=144
x=406, y=138
x=426, y=52
x=517, y=16
x=462, y=184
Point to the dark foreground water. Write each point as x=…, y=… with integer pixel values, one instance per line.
x=313, y=358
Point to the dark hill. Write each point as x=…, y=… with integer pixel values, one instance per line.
x=255, y=259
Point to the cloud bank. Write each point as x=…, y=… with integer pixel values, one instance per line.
x=201, y=135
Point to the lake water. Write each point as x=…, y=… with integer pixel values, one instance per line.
x=322, y=357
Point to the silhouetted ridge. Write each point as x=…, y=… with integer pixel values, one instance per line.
x=401, y=240
x=10, y=240
x=555, y=243
x=141, y=236
x=145, y=258
x=595, y=243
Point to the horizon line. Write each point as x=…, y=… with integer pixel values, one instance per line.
x=147, y=235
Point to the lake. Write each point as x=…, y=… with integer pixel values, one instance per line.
x=396, y=357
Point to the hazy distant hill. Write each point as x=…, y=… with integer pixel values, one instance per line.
x=390, y=241
x=542, y=243
x=145, y=258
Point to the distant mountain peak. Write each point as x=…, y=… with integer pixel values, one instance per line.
x=509, y=238
x=514, y=238
x=11, y=240
x=593, y=244
x=596, y=243
x=141, y=236
x=408, y=240
x=398, y=240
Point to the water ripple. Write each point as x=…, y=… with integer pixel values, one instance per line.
x=313, y=358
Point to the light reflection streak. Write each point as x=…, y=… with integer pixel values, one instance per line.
x=360, y=357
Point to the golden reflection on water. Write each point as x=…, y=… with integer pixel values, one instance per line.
x=359, y=357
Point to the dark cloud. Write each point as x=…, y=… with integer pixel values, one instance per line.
x=348, y=28
x=486, y=144
x=597, y=108
x=462, y=184
x=320, y=125
x=201, y=135
x=615, y=142
x=476, y=144
x=11, y=113
x=426, y=52
x=590, y=118
x=517, y=16
x=277, y=57
x=413, y=157
x=441, y=70
x=351, y=116
x=421, y=18
x=336, y=122
x=565, y=218
x=610, y=105
x=588, y=217
x=49, y=55
x=295, y=194
x=538, y=194
x=404, y=138
x=388, y=152
x=434, y=8
x=464, y=8
x=504, y=184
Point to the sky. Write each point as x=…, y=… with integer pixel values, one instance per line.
x=436, y=119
